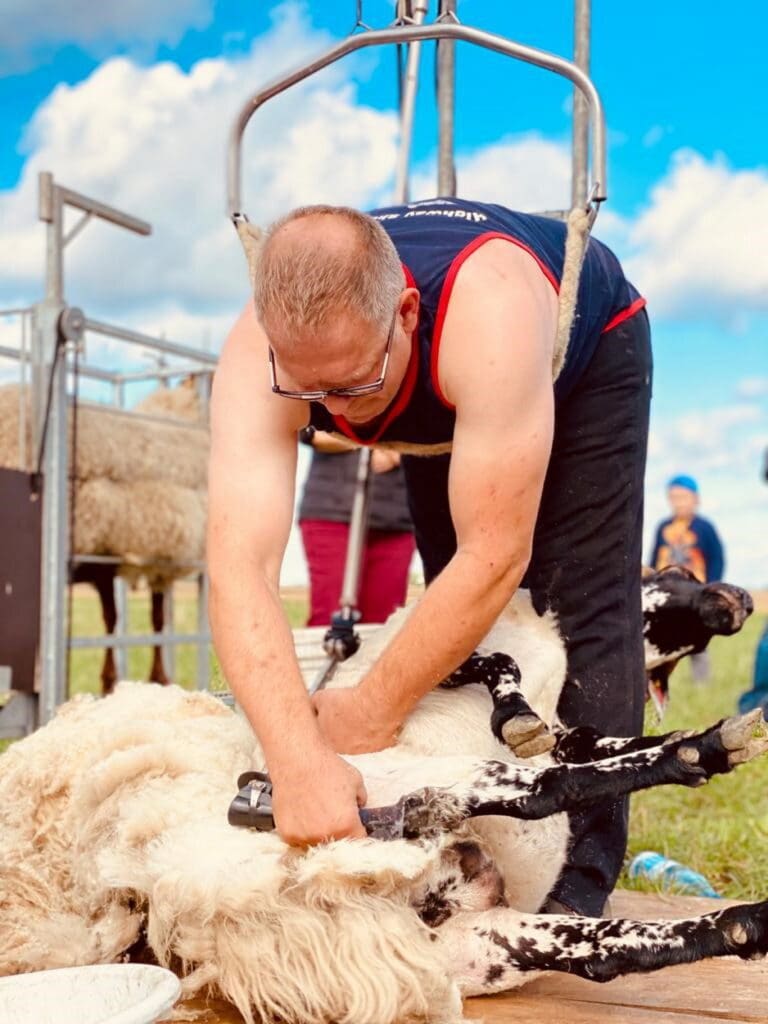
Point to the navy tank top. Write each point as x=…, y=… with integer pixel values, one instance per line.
x=433, y=238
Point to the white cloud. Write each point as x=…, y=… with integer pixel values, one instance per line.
x=527, y=172
x=655, y=134
x=696, y=250
x=752, y=387
x=30, y=34
x=152, y=141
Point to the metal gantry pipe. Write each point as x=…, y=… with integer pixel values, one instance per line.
x=148, y=340
x=446, y=102
x=414, y=33
x=408, y=109
x=580, y=150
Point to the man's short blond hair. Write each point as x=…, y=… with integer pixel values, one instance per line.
x=300, y=286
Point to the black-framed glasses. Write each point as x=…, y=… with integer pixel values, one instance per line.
x=351, y=392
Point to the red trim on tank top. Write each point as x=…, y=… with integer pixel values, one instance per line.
x=445, y=294
x=403, y=396
x=625, y=314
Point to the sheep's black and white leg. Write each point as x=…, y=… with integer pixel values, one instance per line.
x=494, y=950
x=584, y=744
x=519, y=791
x=513, y=721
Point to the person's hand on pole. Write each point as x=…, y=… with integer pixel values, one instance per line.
x=383, y=460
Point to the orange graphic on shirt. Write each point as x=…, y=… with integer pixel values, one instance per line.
x=679, y=547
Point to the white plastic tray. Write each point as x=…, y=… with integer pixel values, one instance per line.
x=101, y=994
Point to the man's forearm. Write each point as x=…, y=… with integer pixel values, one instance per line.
x=255, y=647
x=456, y=612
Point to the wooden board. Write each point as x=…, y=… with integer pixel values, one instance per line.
x=721, y=991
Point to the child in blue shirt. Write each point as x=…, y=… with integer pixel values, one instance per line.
x=686, y=538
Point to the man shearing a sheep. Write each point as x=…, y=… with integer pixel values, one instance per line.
x=433, y=328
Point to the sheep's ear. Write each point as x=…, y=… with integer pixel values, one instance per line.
x=680, y=571
x=251, y=240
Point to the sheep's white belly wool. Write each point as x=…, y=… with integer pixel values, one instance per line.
x=456, y=722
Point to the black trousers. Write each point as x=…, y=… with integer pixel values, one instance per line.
x=585, y=566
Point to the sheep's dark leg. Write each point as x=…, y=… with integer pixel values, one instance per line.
x=103, y=579
x=489, y=950
x=584, y=744
x=513, y=721
x=497, y=787
x=157, y=673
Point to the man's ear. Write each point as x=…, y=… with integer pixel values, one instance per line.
x=409, y=308
x=251, y=239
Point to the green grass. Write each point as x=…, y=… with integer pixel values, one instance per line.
x=85, y=665
x=720, y=830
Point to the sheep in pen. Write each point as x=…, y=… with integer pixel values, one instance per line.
x=115, y=844
x=140, y=495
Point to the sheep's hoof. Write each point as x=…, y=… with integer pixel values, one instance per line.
x=744, y=737
x=527, y=735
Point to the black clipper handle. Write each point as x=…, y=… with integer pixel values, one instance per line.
x=252, y=807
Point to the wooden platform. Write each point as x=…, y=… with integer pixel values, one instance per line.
x=721, y=991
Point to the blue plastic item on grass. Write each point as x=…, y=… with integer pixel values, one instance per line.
x=655, y=867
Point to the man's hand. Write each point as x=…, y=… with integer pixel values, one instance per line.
x=350, y=724
x=384, y=459
x=316, y=798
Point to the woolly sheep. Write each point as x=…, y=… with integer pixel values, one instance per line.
x=141, y=491
x=114, y=831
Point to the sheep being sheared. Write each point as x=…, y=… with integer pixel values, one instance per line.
x=115, y=834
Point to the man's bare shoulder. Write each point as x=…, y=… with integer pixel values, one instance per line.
x=500, y=260
x=506, y=305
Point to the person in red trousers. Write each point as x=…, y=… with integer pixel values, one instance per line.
x=324, y=515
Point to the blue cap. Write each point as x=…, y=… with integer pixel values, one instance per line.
x=684, y=481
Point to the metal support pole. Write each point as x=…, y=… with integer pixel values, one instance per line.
x=120, y=653
x=358, y=527
x=337, y=647
x=121, y=627
x=55, y=540
x=446, y=93
x=581, y=34
x=202, y=668
x=169, y=649
x=408, y=108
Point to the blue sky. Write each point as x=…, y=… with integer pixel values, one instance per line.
x=131, y=101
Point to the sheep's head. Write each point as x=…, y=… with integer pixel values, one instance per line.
x=724, y=608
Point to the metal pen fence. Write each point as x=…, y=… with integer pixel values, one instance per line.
x=51, y=341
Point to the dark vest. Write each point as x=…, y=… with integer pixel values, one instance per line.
x=433, y=238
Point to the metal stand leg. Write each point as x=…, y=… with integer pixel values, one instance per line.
x=341, y=641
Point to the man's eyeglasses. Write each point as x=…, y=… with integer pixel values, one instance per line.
x=350, y=392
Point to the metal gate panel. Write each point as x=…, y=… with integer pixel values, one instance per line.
x=20, y=534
